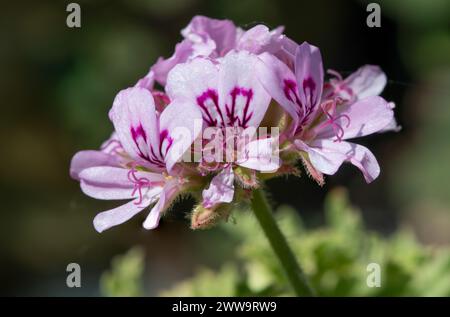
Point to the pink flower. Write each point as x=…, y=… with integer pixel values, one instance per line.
x=229, y=95
x=210, y=37
x=220, y=82
x=260, y=39
x=322, y=121
x=137, y=163
x=213, y=38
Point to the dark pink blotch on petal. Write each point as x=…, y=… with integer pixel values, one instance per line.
x=209, y=110
x=244, y=116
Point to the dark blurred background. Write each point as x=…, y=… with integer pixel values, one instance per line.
x=57, y=85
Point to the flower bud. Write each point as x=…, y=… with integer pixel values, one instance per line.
x=205, y=218
x=246, y=177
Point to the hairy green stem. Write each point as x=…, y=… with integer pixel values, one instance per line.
x=279, y=244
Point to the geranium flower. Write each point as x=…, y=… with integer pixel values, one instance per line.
x=225, y=78
x=220, y=83
x=323, y=119
x=206, y=37
x=137, y=163
x=229, y=95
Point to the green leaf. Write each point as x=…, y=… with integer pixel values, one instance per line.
x=334, y=257
x=125, y=276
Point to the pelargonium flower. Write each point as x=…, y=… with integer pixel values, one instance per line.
x=229, y=95
x=222, y=87
x=323, y=118
x=213, y=38
x=231, y=81
x=137, y=163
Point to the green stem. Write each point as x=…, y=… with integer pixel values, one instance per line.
x=279, y=244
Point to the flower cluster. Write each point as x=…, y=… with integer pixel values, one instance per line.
x=224, y=84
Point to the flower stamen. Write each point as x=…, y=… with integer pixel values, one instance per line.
x=333, y=119
x=139, y=183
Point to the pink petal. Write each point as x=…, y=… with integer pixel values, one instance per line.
x=309, y=74
x=196, y=82
x=165, y=199
x=86, y=159
x=323, y=155
x=208, y=35
x=260, y=39
x=287, y=52
x=220, y=190
x=189, y=80
x=276, y=76
x=261, y=155
x=148, y=81
x=112, y=145
x=364, y=117
x=116, y=176
x=134, y=118
x=327, y=156
x=367, y=81
x=110, y=183
x=242, y=98
x=180, y=125
x=392, y=125
x=364, y=159
x=161, y=69
x=105, y=192
x=117, y=216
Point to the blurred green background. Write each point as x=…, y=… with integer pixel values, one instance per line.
x=57, y=85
